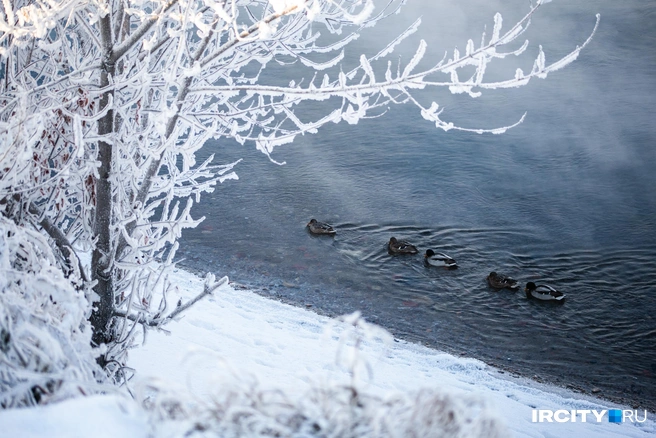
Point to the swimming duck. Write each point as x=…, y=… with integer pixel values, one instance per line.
x=317, y=227
x=543, y=292
x=401, y=247
x=499, y=281
x=439, y=259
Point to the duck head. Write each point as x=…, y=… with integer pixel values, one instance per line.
x=312, y=221
x=429, y=253
x=530, y=286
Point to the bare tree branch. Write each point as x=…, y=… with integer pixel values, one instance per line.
x=209, y=288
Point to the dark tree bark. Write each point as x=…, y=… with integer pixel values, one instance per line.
x=101, y=261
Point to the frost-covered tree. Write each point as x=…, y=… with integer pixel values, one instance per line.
x=104, y=103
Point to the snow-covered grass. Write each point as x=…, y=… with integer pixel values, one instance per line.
x=238, y=363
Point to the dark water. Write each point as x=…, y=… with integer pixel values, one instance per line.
x=567, y=198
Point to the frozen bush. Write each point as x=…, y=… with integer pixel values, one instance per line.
x=45, y=338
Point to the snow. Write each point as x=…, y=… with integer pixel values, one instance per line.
x=237, y=334
x=98, y=416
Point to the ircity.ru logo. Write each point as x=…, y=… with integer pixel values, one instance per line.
x=582, y=415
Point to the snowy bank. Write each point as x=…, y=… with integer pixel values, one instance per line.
x=238, y=336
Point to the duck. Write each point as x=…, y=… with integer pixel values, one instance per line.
x=401, y=247
x=543, y=292
x=439, y=259
x=317, y=227
x=499, y=281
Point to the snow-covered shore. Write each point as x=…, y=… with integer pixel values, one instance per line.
x=237, y=334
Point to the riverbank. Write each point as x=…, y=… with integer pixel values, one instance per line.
x=297, y=289
x=282, y=346
x=236, y=339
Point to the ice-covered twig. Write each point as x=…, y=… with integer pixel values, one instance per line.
x=62, y=242
x=210, y=286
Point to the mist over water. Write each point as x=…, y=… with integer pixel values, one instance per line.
x=566, y=198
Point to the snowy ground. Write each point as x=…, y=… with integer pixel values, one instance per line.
x=238, y=333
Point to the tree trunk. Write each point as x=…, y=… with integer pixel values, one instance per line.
x=101, y=261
